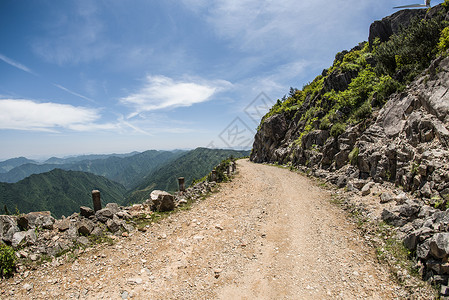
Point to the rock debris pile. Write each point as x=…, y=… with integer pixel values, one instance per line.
x=37, y=235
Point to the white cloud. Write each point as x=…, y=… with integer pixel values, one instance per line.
x=22, y=114
x=160, y=92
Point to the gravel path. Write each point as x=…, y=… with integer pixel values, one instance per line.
x=268, y=234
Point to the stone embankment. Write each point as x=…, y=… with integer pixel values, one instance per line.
x=37, y=236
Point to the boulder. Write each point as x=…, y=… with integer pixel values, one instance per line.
x=103, y=215
x=113, y=225
x=31, y=220
x=366, y=189
x=439, y=245
x=392, y=217
x=162, y=201
x=123, y=215
x=85, y=227
x=24, y=238
x=8, y=227
x=423, y=250
x=409, y=209
x=86, y=211
x=63, y=224
x=386, y=197
x=113, y=207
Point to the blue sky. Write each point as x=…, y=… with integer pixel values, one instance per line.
x=88, y=76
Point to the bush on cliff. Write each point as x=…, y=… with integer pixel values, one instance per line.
x=7, y=260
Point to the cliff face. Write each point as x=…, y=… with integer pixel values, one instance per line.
x=404, y=142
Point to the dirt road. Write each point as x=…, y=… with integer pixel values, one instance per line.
x=268, y=234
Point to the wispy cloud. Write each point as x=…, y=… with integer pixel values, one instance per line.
x=73, y=93
x=75, y=36
x=289, y=25
x=23, y=114
x=15, y=64
x=160, y=92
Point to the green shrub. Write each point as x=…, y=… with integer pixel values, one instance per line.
x=7, y=260
x=325, y=123
x=410, y=51
x=337, y=129
x=354, y=156
x=363, y=111
x=443, y=45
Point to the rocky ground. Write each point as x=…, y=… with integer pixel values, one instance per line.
x=268, y=234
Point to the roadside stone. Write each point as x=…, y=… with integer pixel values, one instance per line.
x=83, y=240
x=36, y=219
x=423, y=250
x=63, y=224
x=401, y=198
x=112, y=225
x=103, y=215
x=217, y=272
x=85, y=227
x=366, y=190
x=386, y=197
x=123, y=215
x=124, y=295
x=392, y=217
x=162, y=201
x=439, y=245
x=444, y=290
x=113, y=207
x=8, y=227
x=25, y=238
x=86, y=211
x=136, y=280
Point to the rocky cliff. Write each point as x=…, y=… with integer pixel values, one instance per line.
x=402, y=139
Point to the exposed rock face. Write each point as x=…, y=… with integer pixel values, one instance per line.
x=392, y=24
x=271, y=134
x=8, y=227
x=406, y=144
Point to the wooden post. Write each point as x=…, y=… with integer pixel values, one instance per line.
x=213, y=176
x=233, y=166
x=96, y=199
x=182, y=186
x=228, y=171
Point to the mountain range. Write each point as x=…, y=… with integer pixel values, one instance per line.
x=62, y=185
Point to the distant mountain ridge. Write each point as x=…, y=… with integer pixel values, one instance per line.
x=124, y=168
x=191, y=165
x=12, y=163
x=63, y=191
x=59, y=191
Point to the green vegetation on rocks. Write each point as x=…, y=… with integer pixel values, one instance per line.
x=367, y=76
